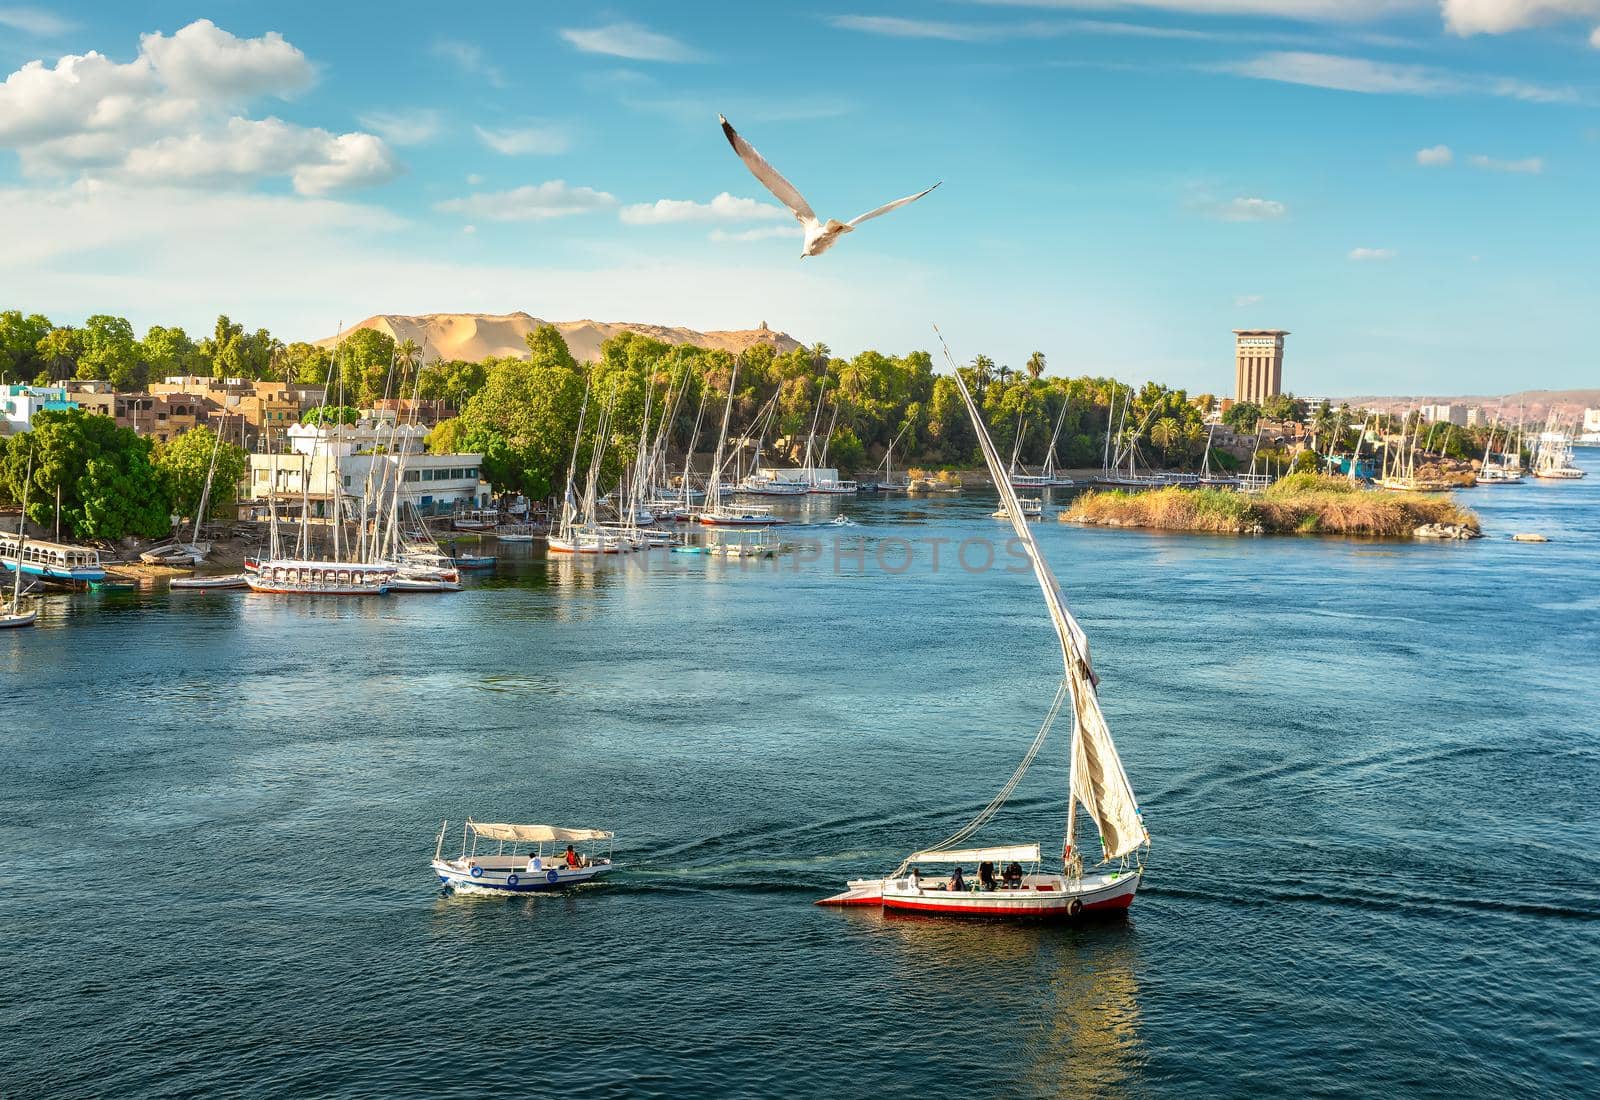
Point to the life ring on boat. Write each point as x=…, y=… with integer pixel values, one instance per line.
x=551, y=877
x=477, y=872
x=1074, y=907
x=511, y=879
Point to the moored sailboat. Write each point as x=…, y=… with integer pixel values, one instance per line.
x=1098, y=784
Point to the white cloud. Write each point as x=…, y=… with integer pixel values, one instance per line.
x=1530, y=166
x=1247, y=300
x=724, y=207
x=629, y=40
x=1356, y=74
x=527, y=141
x=1594, y=38
x=765, y=233
x=469, y=230
x=205, y=61
x=169, y=116
x=1435, y=156
x=470, y=59
x=540, y=202
x=473, y=179
x=318, y=162
x=1367, y=255
x=1466, y=17
x=34, y=21
x=1340, y=11
x=1250, y=210
x=897, y=27
x=404, y=127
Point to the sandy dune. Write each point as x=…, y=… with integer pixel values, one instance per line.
x=474, y=336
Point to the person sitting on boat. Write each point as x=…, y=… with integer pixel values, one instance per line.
x=1013, y=878
x=916, y=878
x=957, y=882
x=572, y=858
x=986, y=875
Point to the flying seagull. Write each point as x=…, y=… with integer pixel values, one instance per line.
x=820, y=236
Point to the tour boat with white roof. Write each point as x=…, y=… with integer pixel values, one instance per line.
x=1012, y=880
x=53, y=561
x=525, y=858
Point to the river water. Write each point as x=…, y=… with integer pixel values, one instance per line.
x=1370, y=770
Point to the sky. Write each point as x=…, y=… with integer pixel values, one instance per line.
x=1409, y=186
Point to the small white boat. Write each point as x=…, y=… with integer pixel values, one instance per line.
x=230, y=580
x=518, y=532
x=525, y=859
x=1032, y=508
x=17, y=618
x=474, y=561
x=435, y=583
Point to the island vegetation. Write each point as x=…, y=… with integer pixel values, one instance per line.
x=1301, y=503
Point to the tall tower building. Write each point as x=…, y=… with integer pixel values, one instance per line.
x=1258, y=363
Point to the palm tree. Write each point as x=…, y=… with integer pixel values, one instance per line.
x=1035, y=365
x=982, y=372
x=406, y=353
x=1003, y=375
x=1165, y=433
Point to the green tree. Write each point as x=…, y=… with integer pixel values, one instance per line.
x=20, y=337
x=168, y=352
x=453, y=381
x=109, y=487
x=107, y=350
x=1035, y=366
x=330, y=414
x=447, y=437
x=366, y=358
x=184, y=462
x=58, y=354
x=1166, y=434
x=304, y=364
x=1242, y=416
x=523, y=419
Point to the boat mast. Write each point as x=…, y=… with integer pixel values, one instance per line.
x=205, y=493
x=714, y=486
x=22, y=538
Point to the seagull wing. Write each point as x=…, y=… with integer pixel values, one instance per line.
x=768, y=175
x=895, y=205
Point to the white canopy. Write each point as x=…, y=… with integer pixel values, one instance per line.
x=536, y=833
x=1015, y=853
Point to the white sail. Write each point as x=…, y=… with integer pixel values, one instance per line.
x=1099, y=783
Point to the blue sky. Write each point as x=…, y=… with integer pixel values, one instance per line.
x=1409, y=186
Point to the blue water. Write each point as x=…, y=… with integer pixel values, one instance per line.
x=1370, y=770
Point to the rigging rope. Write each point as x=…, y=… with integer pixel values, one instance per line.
x=999, y=800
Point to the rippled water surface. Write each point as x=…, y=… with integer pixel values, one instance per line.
x=1370, y=770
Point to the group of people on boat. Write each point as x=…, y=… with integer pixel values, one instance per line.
x=1010, y=879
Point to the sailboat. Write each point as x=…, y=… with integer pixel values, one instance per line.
x=717, y=514
x=13, y=615
x=1498, y=470
x=577, y=532
x=1552, y=460
x=1027, y=886
x=1047, y=477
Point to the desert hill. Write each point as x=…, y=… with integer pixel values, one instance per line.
x=475, y=336
x=1532, y=405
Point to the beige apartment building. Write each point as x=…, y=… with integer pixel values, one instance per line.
x=1258, y=363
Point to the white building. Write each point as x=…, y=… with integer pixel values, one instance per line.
x=1591, y=426
x=20, y=403
x=1445, y=414
x=365, y=457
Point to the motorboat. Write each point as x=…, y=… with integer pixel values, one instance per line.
x=292, y=577
x=1032, y=508
x=225, y=581
x=525, y=859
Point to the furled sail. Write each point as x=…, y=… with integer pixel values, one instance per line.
x=1100, y=785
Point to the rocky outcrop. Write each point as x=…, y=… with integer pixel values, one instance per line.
x=1446, y=531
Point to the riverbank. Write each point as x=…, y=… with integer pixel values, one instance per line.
x=1300, y=504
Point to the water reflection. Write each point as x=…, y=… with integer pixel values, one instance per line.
x=1074, y=991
